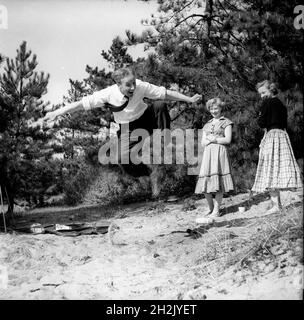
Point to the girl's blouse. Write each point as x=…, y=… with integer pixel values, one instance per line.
x=217, y=129
x=272, y=114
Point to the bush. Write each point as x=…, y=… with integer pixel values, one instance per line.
x=78, y=175
x=243, y=177
x=35, y=178
x=173, y=180
x=112, y=187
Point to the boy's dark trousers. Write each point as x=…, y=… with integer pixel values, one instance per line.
x=156, y=116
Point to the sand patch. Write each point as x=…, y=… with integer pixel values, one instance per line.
x=154, y=256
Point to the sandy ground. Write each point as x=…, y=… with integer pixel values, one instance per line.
x=152, y=256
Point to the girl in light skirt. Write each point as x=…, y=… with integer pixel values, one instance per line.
x=277, y=167
x=215, y=173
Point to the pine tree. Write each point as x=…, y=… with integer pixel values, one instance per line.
x=21, y=145
x=2, y=58
x=117, y=55
x=77, y=124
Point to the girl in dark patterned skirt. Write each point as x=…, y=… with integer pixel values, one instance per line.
x=277, y=167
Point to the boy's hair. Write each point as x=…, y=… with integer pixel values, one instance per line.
x=271, y=86
x=121, y=73
x=214, y=101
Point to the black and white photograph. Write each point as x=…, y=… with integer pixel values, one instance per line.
x=151, y=150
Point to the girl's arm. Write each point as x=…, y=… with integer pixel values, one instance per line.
x=263, y=115
x=227, y=138
x=205, y=141
x=177, y=96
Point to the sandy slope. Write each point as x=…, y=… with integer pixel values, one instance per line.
x=153, y=257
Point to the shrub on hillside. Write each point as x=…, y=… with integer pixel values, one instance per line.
x=112, y=187
x=77, y=177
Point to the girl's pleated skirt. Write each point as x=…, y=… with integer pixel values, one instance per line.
x=277, y=166
x=215, y=172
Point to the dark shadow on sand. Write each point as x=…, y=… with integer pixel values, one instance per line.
x=252, y=200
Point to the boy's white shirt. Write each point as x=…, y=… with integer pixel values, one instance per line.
x=136, y=106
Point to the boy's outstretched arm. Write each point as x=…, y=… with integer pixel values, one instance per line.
x=49, y=119
x=69, y=108
x=51, y=116
x=177, y=96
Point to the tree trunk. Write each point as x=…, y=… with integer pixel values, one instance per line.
x=10, y=210
x=7, y=193
x=10, y=196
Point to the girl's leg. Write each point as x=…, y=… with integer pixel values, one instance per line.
x=202, y=218
x=276, y=201
x=217, y=205
x=209, y=199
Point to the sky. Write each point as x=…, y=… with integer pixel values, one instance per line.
x=67, y=35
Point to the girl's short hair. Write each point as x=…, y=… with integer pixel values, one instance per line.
x=271, y=86
x=214, y=102
x=121, y=73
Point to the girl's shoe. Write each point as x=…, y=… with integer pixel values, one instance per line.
x=204, y=220
x=274, y=209
x=207, y=213
x=215, y=214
